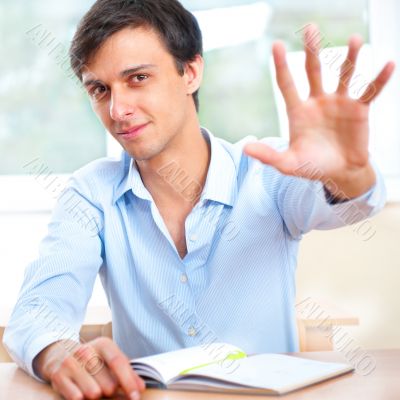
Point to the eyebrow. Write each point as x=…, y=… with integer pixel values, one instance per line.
x=91, y=82
x=122, y=74
x=137, y=68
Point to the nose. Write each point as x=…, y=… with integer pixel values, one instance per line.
x=121, y=107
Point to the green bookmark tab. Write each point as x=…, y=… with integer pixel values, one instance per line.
x=236, y=355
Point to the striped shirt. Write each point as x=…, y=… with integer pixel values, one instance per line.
x=236, y=283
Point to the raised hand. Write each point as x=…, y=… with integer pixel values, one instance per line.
x=328, y=132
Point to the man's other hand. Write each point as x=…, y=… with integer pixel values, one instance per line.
x=88, y=371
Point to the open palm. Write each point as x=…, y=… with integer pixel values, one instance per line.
x=328, y=132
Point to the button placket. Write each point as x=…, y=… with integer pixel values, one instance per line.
x=195, y=229
x=201, y=227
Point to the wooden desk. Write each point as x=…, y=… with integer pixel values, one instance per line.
x=382, y=384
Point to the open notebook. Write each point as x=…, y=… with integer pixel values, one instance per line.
x=221, y=367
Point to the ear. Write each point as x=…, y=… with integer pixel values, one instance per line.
x=194, y=74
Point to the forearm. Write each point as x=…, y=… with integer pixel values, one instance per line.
x=69, y=260
x=305, y=205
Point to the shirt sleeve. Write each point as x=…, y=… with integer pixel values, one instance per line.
x=304, y=206
x=58, y=284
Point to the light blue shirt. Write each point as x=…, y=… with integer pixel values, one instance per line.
x=236, y=284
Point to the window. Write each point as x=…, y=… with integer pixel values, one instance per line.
x=44, y=113
x=47, y=128
x=385, y=118
x=237, y=96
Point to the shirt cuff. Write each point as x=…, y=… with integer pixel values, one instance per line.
x=38, y=344
x=374, y=198
x=332, y=200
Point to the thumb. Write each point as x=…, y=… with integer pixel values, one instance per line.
x=284, y=162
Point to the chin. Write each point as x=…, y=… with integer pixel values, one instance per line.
x=144, y=153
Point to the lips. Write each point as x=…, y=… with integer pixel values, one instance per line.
x=133, y=132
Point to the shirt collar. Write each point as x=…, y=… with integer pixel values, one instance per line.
x=132, y=181
x=221, y=182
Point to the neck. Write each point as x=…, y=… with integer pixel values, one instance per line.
x=178, y=174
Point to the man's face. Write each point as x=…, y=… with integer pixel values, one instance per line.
x=138, y=94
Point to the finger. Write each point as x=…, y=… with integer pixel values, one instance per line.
x=348, y=67
x=68, y=389
x=94, y=365
x=284, y=77
x=285, y=162
x=375, y=87
x=107, y=382
x=82, y=379
x=312, y=40
x=119, y=364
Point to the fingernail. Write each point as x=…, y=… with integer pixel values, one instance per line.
x=135, y=395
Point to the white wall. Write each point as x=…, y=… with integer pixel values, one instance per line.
x=361, y=277
x=20, y=235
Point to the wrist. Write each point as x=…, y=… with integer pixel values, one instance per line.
x=351, y=184
x=51, y=357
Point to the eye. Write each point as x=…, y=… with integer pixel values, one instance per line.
x=98, y=92
x=139, y=78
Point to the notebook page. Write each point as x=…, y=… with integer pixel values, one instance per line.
x=278, y=372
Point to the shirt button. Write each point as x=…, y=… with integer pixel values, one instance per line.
x=184, y=278
x=192, y=331
x=193, y=237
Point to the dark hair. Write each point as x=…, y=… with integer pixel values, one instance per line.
x=177, y=27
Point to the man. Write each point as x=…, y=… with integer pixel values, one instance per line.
x=209, y=256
